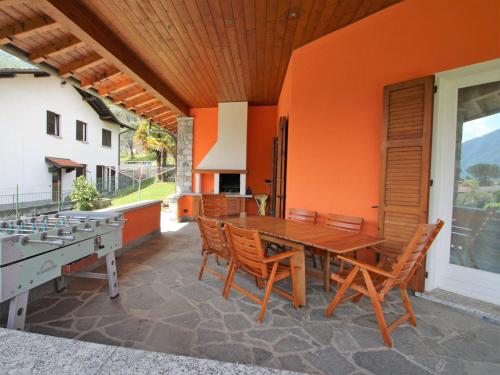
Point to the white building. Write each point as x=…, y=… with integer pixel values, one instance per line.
x=51, y=132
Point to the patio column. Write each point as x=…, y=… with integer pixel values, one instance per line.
x=183, y=181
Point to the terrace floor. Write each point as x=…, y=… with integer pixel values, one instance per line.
x=163, y=307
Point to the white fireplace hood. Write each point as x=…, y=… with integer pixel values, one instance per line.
x=230, y=150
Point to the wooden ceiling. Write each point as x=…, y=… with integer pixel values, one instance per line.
x=161, y=57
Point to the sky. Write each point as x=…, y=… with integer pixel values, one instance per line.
x=480, y=127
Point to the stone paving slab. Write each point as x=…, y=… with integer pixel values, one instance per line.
x=163, y=307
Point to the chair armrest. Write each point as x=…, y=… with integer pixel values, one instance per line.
x=366, y=266
x=281, y=256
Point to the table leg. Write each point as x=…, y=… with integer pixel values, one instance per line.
x=300, y=265
x=326, y=271
x=17, y=311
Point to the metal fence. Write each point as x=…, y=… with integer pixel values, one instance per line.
x=18, y=203
x=21, y=201
x=122, y=184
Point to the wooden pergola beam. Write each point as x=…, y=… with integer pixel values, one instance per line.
x=128, y=95
x=164, y=116
x=149, y=107
x=41, y=54
x=168, y=119
x=143, y=99
x=26, y=29
x=8, y=3
x=157, y=112
x=105, y=90
x=110, y=73
x=77, y=17
x=81, y=64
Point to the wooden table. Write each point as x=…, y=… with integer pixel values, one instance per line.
x=299, y=235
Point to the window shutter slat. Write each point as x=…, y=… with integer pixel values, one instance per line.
x=405, y=164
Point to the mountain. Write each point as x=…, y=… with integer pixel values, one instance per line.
x=485, y=149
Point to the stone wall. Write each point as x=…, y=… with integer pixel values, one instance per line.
x=184, y=154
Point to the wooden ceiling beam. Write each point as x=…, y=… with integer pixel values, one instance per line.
x=105, y=90
x=134, y=92
x=149, y=107
x=157, y=112
x=143, y=99
x=77, y=17
x=81, y=64
x=91, y=82
x=41, y=54
x=26, y=29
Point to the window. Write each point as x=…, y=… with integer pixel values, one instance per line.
x=52, y=123
x=106, y=138
x=81, y=131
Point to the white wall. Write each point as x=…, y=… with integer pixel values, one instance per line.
x=230, y=150
x=24, y=142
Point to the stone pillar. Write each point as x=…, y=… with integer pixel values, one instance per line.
x=184, y=181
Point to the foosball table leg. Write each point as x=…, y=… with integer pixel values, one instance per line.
x=60, y=284
x=112, y=275
x=17, y=311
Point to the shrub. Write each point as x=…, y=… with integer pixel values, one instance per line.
x=476, y=199
x=491, y=205
x=496, y=195
x=83, y=194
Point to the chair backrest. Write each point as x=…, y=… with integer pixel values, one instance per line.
x=305, y=216
x=348, y=223
x=246, y=249
x=213, y=205
x=413, y=255
x=213, y=236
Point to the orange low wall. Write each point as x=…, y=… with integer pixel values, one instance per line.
x=141, y=221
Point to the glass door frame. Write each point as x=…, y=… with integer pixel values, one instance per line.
x=442, y=274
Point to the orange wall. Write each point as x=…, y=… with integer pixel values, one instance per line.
x=333, y=94
x=260, y=133
x=261, y=129
x=204, y=137
x=141, y=222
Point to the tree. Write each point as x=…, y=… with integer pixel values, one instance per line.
x=484, y=172
x=160, y=142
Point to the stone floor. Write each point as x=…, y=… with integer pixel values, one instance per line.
x=163, y=307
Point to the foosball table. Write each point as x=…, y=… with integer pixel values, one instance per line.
x=38, y=249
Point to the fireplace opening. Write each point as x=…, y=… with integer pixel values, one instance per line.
x=229, y=183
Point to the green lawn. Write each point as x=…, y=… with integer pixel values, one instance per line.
x=156, y=191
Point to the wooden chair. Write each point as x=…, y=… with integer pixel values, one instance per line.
x=213, y=205
x=348, y=223
x=248, y=254
x=213, y=243
x=342, y=222
x=305, y=216
x=375, y=282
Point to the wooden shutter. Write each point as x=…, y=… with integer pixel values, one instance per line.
x=405, y=169
x=281, y=168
